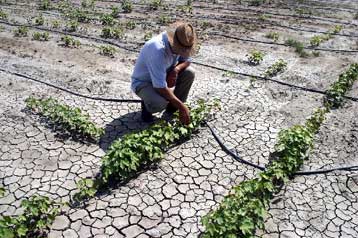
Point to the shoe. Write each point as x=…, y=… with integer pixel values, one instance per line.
x=146, y=115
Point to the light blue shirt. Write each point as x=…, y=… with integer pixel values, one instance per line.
x=154, y=61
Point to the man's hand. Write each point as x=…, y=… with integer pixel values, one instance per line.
x=172, y=78
x=184, y=115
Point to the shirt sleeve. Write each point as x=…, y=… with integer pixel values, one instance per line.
x=157, y=70
x=184, y=59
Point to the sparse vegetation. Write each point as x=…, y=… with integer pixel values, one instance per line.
x=278, y=67
x=113, y=32
x=163, y=19
x=72, y=26
x=40, y=36
x=130, y=25
x=115, y=11
x=21, y=31
x=107, y=50
x=107, y=20
x=39, y=21
x=255, y=57
x=155, y=4
x=45, y=5
x=39, y=212
x=317, y=40
x=148, y=35
x=3, y=15
x=273, y=35
x=67, y=118
x=299, y=48
x=69, y=41
x=55, y=24
x=127, y=6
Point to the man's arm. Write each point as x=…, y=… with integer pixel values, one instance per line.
x=173, y=75
x=184, y=113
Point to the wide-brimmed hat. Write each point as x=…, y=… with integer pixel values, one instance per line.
x=182, y=39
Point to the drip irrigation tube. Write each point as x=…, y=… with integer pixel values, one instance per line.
x=71, y=92
x=256, y=166
x=281, y=44
x=216, y=137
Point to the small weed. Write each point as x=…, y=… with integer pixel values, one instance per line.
x=79, y=15
x=72, y=26
x=45, y=5
x=278, y=67
x=39, y=21
x=155, y=4
x=228, y=74
x=273, y=35
x=255, y=57
x=316, y=53
x=87, y=189
x=69, y=41
x=107, y=20
x=127, y=6
x=115, y=11
x=113, y=32
x=263, y=17
x=21, y=31
x=315, y=41
x=148, y=35
x=40, y=36
x=299, y=48
x=164, y=19
x=55, y=24
x=130, y=25
x=107, y=50
x=3, y=15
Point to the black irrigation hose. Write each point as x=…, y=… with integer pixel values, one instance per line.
x=222, y=145
x=194, y=62
x=281, y=44
x=69, y=91
x=256, y=166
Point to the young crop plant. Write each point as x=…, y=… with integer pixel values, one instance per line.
x=107, y=20
x=79, y=15
x=244, y=209
x=69, y=41
x=45, y=5
x=273, y=35
x=39, y=212
x=91, y=4
x=107, y=50
x=130, y=25
x=155, y=4
x=299, y=48
x=164, y=19
x=39, y=21
x=127, y=6
x=55, y=24
x=40, y=36
x=72, y=26
x=256, y=3
x=135, y=151
x=115, y=11
x=148, y=35
x=87, y=189
x=278, y=67
x=255, y=57
x=70, y=119
x=113, y=32
x=21, y=31
x=317, y=40
x=3, y=15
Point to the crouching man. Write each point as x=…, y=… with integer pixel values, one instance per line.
x=162, y=77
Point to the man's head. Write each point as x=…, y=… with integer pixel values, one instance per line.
x=182, y=39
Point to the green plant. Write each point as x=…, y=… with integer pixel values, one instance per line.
x=316, y=41
x=69, y=41
x=243, y=210
x=88, y=4
x=148, y=35
x=228, y=74
x=87, y=189
x=79, y=15
x=113, y=32
x=55, y=24
x=72, y=26
x=155, y=4
x=36, y=219
x=336, y=29
x=273, y=35
x=69, y=119
x=127, y=6
x=256, y=3
x=107, y=50
x=164, y=19
x=130, y=25
x=278, y=67
x=2, y=192
x=115, y=11
x=107, y=20
x=3, y=15
x=45, y=5
x=299, y=48
x=21, y=31
x=39, y=21
x=255, y=57
x=336, y=92
x=40, y=36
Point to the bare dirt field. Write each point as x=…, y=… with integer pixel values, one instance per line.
x=170, y=198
